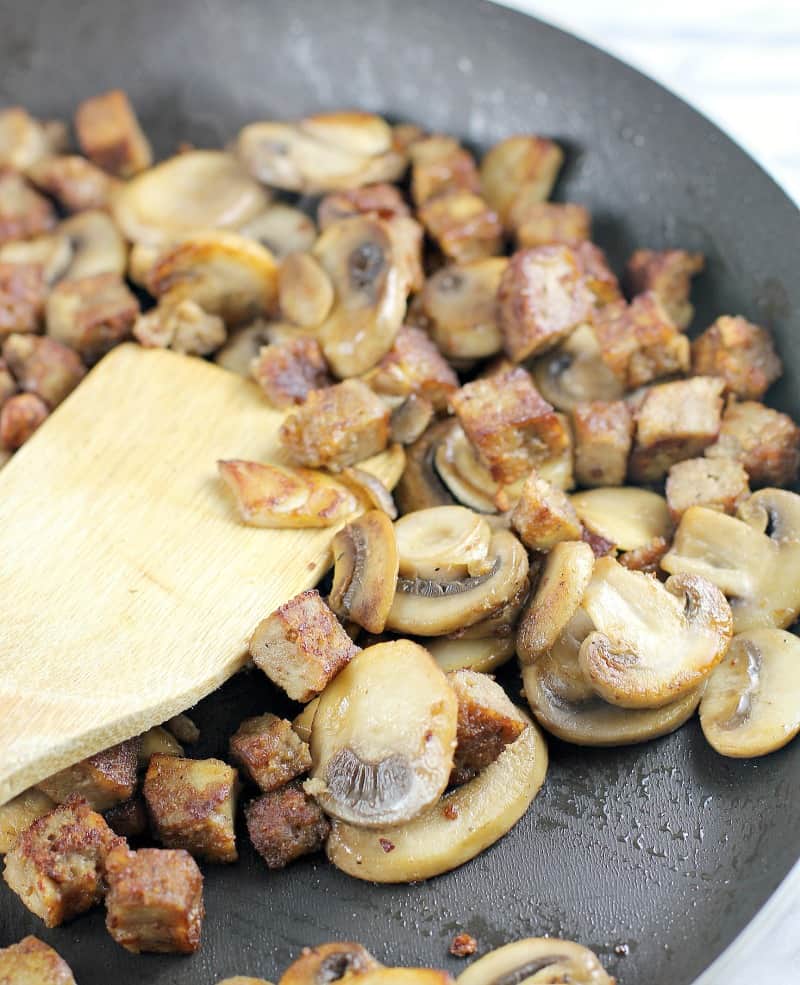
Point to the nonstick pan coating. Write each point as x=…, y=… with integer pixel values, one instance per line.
x=656, y=856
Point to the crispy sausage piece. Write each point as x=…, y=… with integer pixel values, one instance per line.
x=20, y=416
x=739, y=352
x=414, y=365
x=764, y=441
x=669, y=274
x=102, y=780
x=716, y=483
x=43, y=366
x=32, y=962
x=284, y=825
x=109, y=134
x=23, y=211
x=544, y=515
x=23, y=290
x=92, y=314
x=288, y=371
x=603, y=437
x=269, y=751
x=542, y=223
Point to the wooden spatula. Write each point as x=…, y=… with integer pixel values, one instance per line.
x=128, y=585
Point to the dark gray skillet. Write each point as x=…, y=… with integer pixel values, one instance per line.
x=656, y=856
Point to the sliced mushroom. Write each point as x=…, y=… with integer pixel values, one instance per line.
x=564, y=580
x=462, y=472
x=198, y=190
x=97, y=246
x=277, y=497
x=574, y=372
x=460, y=304
x=383, y=736
x=430, y=608
x=410, y=419
x=443, y=543
x=751, y=704
x=365, y=571
x=18, y=814
x=51, y=251
x=501, y=623
x=754, y=559
x=460, y=826
x=537, y=961
x=327, y=963
x=157, y=740
x=358, y=255
x=469, y=654
x=23, y=139
x=225, y=273
x=626, y=516
x=243, y=345
x=305, y=292
x=282, y=229
x=652, y=643
x=302, y=723
x=370, y=488
x=420, y=486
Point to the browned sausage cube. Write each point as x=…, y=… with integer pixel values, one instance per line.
x=542, y=223
x=646, y=558
x=544, y=515
x=414, y=365
x=155, y=900
x=675, y=421
x=23, y=211
x=302, y=646
x=43, y=366
x=716, y=483
x=337, y=426
x=183, y=326
x=102, y=780
x=381, y=200
x=74, y=182
x=128, y=819
x=32, y=962
x=8, y=385
x=19, y=813
x=269, y=751
x=463, y=225
x=92, y=314
x=542, y=297
x=23, y=290
x=764, y=441
x=739, y=352
x=512, y=427
x=192, y=805
x=597, y=275
x=284, y=825
x=288, y=371
x=20, y=416
x=519, y=171
x=56, y=866
x=483, y=729
x=603, y=437
x=440, y=164
x=669, y=274
x=110, y=135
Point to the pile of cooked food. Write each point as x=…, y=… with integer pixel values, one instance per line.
x=387, y=291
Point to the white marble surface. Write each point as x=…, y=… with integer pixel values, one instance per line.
x=737, y=61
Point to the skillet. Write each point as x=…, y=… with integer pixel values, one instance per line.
x=656, y=856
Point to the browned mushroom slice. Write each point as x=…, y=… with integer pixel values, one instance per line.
x=390, y=756
x=627, y=517
x=327, y=963
x=468, y=654
x=460, y=304
x=244, y=344
x=443, y=543
x=753, y=558
x=198, y=190
x=420, y=486
x=460, y=826
x=226, y=274
x=358, y=256
x=182, y=326
x=274, y=496
x=411, y=418
x=305, y=293
x=384, y=201
x=97, y=246
x=652, y=643
x=370, y=488
x=365, y=571
x=282, y=229
x=537, y=961
x=574, y=372
x=430, y=608
x=751, y=704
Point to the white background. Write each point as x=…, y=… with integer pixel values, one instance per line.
x=737, y=61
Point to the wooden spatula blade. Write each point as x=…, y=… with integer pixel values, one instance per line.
x=128, y=585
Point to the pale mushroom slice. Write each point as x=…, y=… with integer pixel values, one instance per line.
x=558, y=595
x=370, y=294
x=303, y=722
x=198, y=190
x=427, y=607
x=370, y=488
x=753, y=558
x=327, y=963
x=305, y=292
x=751, y=704
x=574, y=372
x=537, y=961
x=443, y=543
x=563, y=702
x=365, y=571
x=278, y=497
x=225, y=273
x=462, y=824
x=283, y=229
x=245, y=343
x=652, y=643
x=625, y=516
x=420, y=486
x=383, y=736
x=97, y=246
x=483, y=655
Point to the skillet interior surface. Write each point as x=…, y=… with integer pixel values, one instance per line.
x=656, y=856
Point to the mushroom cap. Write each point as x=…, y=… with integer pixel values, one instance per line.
x=472, y=654
x=574, y=372
x=751, y=704
x=97, y=246
x=545, y=960
x=327, y=963
x=625, y=516
x=365, y=570
x=443, y=543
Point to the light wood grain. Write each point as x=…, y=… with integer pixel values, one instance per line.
x=128, y=585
